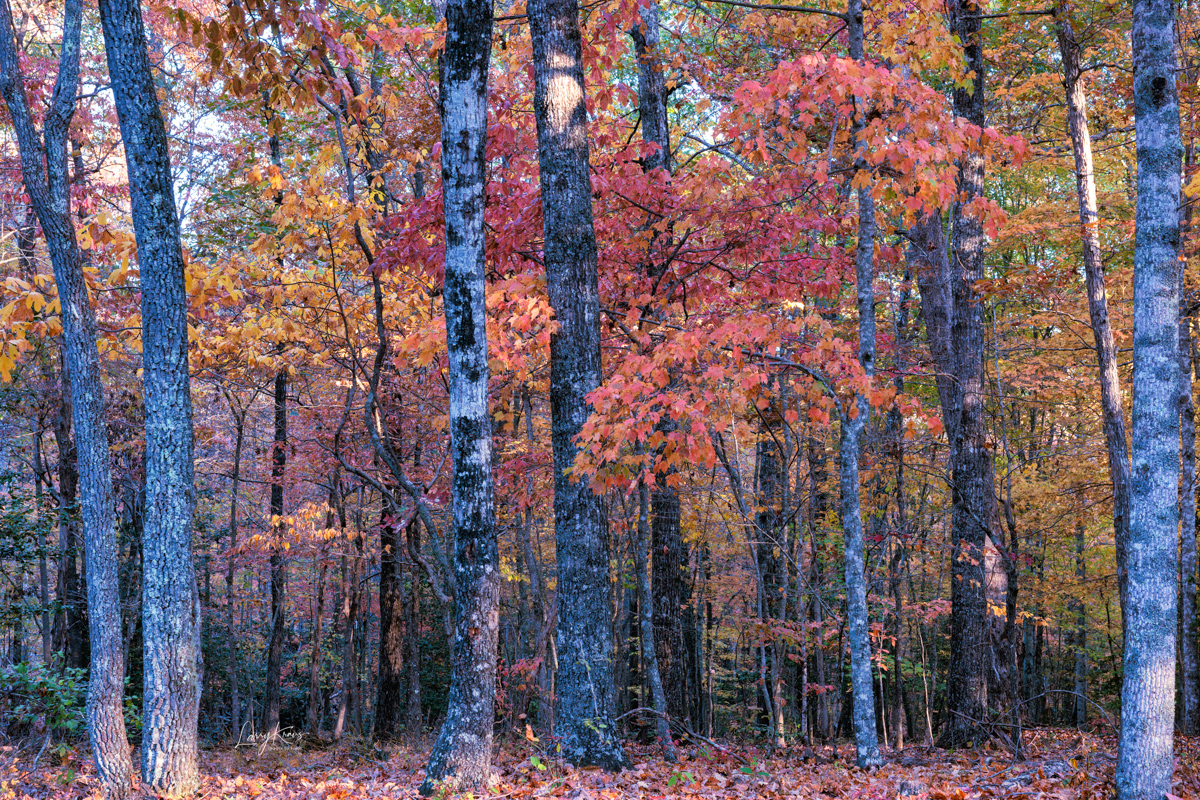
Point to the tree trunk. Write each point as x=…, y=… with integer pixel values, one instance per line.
x=50, y=194
x=462, y=755
x=312, y=715
x=239, y=440
x=414, y=720
x=972, y=479
x=1190, y=659
x=1093, y=266
x=389, y=699
x=853, y=423
x=584, y=712
x=645, y=602
x=271, y=697
x=170, y=607
x=1144, y=761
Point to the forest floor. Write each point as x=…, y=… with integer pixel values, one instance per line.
x=1060, y=764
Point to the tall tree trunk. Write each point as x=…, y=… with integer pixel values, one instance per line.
x=971, y=461
x=668, y=551
x=271, y=699
x=1093, y=267
x=584, y=711
x=50, y=193
x=853, y=423
x=1189, y=658
x=170, y=607
x=1144, y=761
x=462, y=755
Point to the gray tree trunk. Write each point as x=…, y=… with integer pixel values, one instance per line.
x=584, y=715
x=1189, y=658
x=462, y=755
x=853, y=423
x=49, y=189
x=971, y=463
x=170, y=606
x=1144, y=760
x=1093, y=266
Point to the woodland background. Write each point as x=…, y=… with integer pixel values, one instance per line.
x=305, y=146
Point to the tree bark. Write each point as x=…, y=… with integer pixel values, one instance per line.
x=170, y=606
x=1093, y=266
x=462, y=755
x=1144, y=760
x=971, y=463
x=584, y=713
x=853, y=423
x=49, y=191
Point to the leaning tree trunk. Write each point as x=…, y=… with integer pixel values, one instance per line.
x=1144, y=760
x=170, y=606
x=853, y=423
x=1093, y=268
x=50, y=193
x=462, y=755
x=584, y=713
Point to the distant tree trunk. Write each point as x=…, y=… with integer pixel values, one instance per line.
x=312, y=715
x=646, y=627
x=1093, y=266
x=414, y=720
x=669, y=553
x=350, y=601
x=271, y=699
x=70, y=632
x=389, y=699
x=1145, y=760
x=1081, y=658
x=170, y=607
x=584, y=712
x=853, y=423
x=49, y=192
x=239, y=439
x=462, y=755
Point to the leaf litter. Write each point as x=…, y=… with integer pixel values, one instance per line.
x=1059, y=764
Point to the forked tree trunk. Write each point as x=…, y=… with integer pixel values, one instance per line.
x=50, y=193
x=1145, y=760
